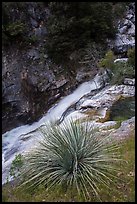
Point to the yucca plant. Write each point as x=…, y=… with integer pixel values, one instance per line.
x=71, y=155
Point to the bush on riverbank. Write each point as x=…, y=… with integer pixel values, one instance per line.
x=120, y=70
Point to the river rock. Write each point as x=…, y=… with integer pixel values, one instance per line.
x=128, y=81
x=102, y=101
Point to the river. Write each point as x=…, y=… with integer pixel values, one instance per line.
x=21, y=139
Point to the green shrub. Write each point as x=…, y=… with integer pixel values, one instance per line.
x=131, y=57
x=71, y=157
x=16, y=28
x=108, y=61
x=120, y=71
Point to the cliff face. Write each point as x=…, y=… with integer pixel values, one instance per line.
x=31, y=81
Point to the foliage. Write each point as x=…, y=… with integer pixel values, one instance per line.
x=122, y=191
x=108, y=61
x=72, y=25
x=31, y=39
x=120, y=71
x=71, y=157
x=13, y=18
x=16, y=165
x=131, y=56
x=14, y=29
x=120, y=8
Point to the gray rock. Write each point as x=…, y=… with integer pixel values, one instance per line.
x=82, y=75
x=61, y=83
x=128, y=81
x=124, y=130
x=33, y=54
x=10, y=94
x=106, y=97
x=131, y=31
x=123, y=30
x=123, y=43
x=40, y=31
x=133, y=20
x=125, y=37
x=127, y=23
x=129, y=16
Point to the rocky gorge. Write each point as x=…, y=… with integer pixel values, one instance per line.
x=45, y=80
x=36, y=91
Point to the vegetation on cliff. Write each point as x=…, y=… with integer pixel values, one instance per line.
x=121, y=69
x=72, y=26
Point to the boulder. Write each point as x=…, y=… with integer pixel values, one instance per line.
x=124, y=130
x=128, y=81
x=101, y=102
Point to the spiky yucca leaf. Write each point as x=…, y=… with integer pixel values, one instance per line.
x=71, y=154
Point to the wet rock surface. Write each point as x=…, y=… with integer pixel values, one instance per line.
x=107, y=96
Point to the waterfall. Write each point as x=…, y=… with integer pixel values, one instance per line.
x=21, y=139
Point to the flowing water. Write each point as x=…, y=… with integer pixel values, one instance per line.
x=21, y=139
